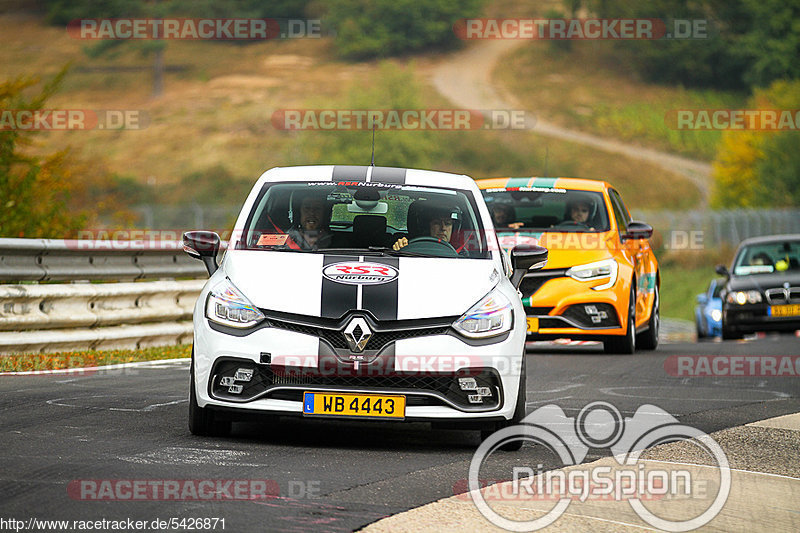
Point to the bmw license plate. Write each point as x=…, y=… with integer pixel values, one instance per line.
x=785, y=310
x=354, y=405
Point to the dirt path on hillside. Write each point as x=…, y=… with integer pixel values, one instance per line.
x=465, y=78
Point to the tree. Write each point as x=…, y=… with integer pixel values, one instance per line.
x=34, y=190
x=761, y=168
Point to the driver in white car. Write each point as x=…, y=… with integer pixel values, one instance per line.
x=435, y=220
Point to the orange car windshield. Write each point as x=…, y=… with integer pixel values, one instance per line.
x=556, y=210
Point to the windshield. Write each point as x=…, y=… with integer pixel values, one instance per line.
x=765, y=258
x=547, y=209
x=365, y=218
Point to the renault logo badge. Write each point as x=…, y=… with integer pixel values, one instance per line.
x=357, y=334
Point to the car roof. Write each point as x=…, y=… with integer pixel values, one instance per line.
x=357, y=173
x=765, y=239
x=580, y=184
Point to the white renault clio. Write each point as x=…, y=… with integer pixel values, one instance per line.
x=360, y=292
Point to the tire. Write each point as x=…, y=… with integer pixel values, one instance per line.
x=648, y=340
x=202, y=421
x=625, y=344
x=519, y=414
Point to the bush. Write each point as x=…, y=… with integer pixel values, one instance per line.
x=382, y=28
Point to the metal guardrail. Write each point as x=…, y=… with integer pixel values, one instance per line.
x=47, y=317
x=71, y=260
x=722, y=227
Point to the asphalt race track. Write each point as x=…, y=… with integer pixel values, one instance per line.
x=130, y=424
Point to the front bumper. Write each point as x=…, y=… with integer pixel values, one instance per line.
x=565, y=307
x=755, y=318
x=283, y=364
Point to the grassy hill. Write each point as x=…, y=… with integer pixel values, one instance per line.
x=215, y=114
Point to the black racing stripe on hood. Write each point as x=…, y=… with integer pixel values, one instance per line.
x=382, y=300
x=349, y=173
x=389, y=175
x=337, y=298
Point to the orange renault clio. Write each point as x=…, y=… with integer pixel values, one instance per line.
x=601, y=281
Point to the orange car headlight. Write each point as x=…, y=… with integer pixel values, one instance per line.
x=606, y=269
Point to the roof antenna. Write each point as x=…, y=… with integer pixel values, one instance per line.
x=373, y=145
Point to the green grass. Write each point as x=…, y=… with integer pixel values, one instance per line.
x=679, y=288
x=89, y=358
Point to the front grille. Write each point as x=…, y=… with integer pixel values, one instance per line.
x=538, y=311
x=533, y=281
x=382, y=334
x=783, y=296
x=265, y=378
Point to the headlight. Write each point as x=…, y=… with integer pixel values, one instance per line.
x=743, y=297
x=493, y=315
x=716, y=315
x=227, y=306
x=599, y=270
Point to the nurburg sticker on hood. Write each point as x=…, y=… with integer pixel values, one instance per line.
x=357, y=273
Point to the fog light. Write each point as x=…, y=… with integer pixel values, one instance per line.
x=475, y=398
x=236, y=389
x=467, y=383
x=243, y=374
x=590, y=309
x=227, y=381
x=484, y=391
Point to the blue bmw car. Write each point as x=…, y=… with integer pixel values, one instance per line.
x=708, y=311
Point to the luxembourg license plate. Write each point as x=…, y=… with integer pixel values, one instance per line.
x=533, y=324
x=358, y=405
x=785, y=310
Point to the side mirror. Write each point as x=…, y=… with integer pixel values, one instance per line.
x=638, y=230
x=722, y=270
x=525, y=257
x=203, y=245
x=702, y=299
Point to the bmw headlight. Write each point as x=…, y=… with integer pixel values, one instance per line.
x=491, y=316
x=744, y=297
x=599, y=270
x=228, y=306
